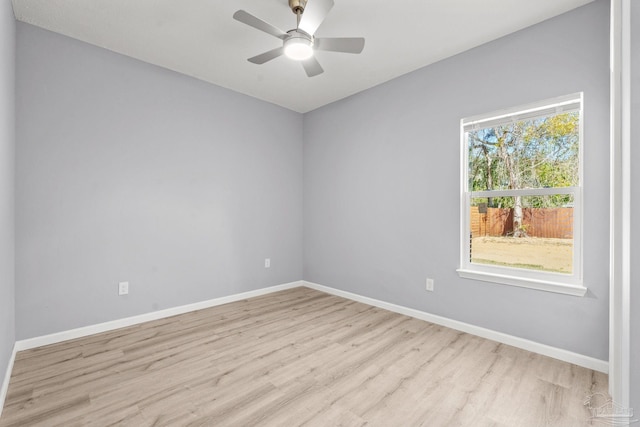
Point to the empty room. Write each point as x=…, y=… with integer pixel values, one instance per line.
x=319, y=213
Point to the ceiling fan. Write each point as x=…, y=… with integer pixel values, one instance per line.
x=300, y=43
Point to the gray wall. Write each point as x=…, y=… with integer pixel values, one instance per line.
x=382, y=182
x=126, y=171
x=129, y=172
x=635, y=206
x=7, y=146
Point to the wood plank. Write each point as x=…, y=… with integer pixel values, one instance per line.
x=296, y=357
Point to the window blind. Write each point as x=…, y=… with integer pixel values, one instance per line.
x=525, y=113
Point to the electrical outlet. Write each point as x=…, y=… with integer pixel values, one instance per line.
x=430, y=285
x=123, y=288
x=267, y=263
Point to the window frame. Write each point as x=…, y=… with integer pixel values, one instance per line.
x=571, y=284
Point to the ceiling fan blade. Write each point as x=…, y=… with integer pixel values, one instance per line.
x=267, y=56
x=312, y=67
x=258, y=24
x=340, y=44
x=314, y=13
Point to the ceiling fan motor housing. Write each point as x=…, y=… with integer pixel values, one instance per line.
x=298, y=45
x=297, y=6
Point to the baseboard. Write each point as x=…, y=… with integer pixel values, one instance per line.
x=546, y=350
x=7, y=377
x=154, y=315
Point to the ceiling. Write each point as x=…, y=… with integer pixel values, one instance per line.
x=199, y=38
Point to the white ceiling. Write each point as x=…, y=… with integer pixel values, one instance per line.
x=199, y=38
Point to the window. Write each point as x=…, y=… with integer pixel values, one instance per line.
x=521, y=211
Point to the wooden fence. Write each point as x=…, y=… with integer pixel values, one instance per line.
x=538, y=222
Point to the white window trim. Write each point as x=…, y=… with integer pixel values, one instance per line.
x=570, y=284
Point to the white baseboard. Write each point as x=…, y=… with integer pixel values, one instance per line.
x=154, y=315
x=7, y=377
x=535, y=347
x=546, y=350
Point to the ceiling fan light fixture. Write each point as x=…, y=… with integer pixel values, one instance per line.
x=298, y=47
x=300, y=43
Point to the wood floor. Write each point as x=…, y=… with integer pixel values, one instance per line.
x=293, y=358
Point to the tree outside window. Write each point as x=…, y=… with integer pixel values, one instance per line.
x=521, y=212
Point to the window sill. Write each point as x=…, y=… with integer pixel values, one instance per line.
x=542, y=285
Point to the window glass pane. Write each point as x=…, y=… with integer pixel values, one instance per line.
x=534, y=153
x=529, y=232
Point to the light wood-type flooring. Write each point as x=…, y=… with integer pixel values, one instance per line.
x=293, y=358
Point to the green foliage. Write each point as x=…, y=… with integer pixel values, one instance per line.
x=536, y=153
